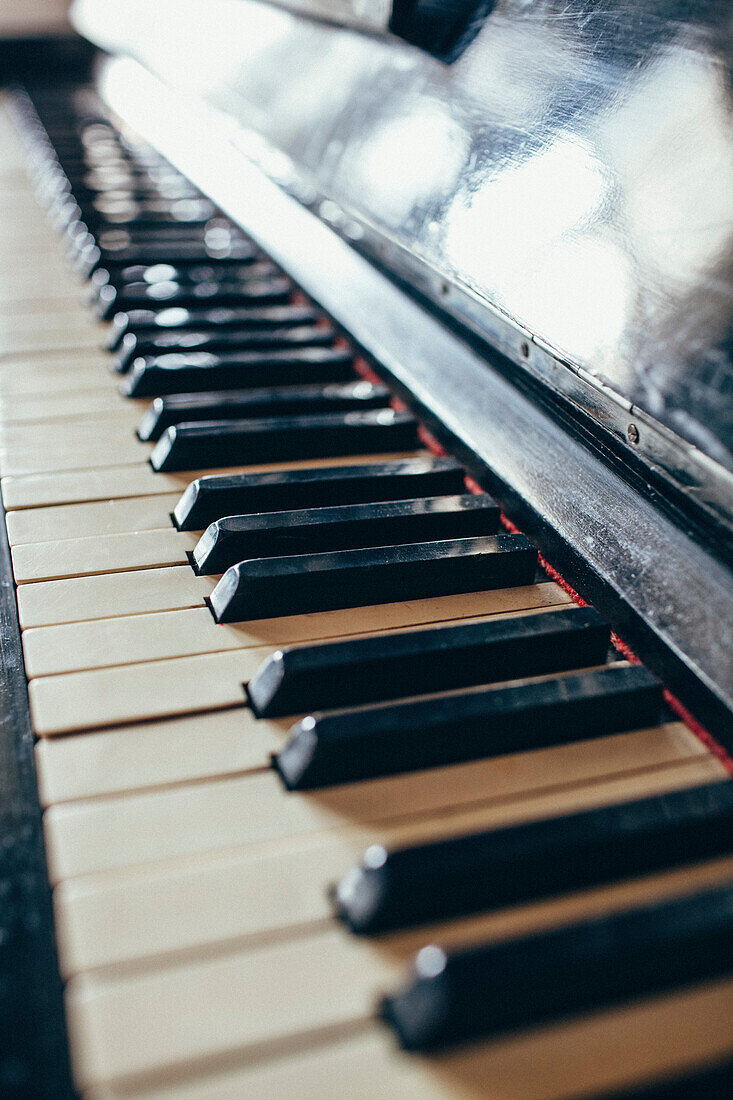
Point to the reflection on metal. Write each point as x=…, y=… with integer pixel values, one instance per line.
x=564, y=185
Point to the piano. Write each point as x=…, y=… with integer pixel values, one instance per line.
x=366, y=471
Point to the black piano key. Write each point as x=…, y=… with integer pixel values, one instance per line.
x=140, y=219
x=188, y=408
x=225, y=344
x=120, y=188
x=366, y=670
x=260, y=588
x=161, y=341
x=105, y=211
x=345, y=527
x=142, y=327
x=171, y=238
x=282, y=439
x=196, y=220
x=108, y=299
x=493, y=988
x=90, y=256
x=197, y=372
x=349, y=745
x=508, y=866
x=209, y=498
x=148, y=342
x=190, y=273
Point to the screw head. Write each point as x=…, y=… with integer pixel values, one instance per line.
x=632, y=433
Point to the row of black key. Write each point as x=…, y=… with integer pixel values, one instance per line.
x=462, y=994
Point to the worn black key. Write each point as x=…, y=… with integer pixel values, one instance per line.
x=263, y=588
x=155, y=210
x=225, y=343
x=138, y=218
x=366, y=670
x=188, y=408
x=283, y=439
x=348, y=745
x=156, y=296
x=89, y=255
x=147, y=325
x=160, y=339
x=193, y=274
x=167, y=240
x=497, y=987
x=121, y=188
x=467, y=874
x=346, y=527
x=201, y=372
x=210, y=498
x=112, y=231
x=150, y=324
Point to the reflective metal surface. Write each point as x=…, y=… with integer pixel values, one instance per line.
x=572, y=172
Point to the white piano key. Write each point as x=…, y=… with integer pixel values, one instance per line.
x=17, y=461
x=99, y=403
x=119, y=832
x=118, y=482
x=70, y=647
x=270, y=891
x=79, y=598
x=55, y=376
x=32, y=341
x=132, y=693
x=155, y=753
x=245, y=999
x=589, y=1056
x=101, y=554
x=105, y=517
x=40, y=323
x=82, y=431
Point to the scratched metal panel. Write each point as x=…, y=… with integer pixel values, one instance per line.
x=573, y=168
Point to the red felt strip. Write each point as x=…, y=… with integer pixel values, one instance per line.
x=710, y=743
x=361, y=367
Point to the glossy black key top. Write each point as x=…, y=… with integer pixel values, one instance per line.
x=349, y=745
x=187, y=295
x=200, y=372
x=167, y=240
x=90, y=256
x=188, y=408
x=467, y=874
x=210, y=498
x=138, y=217
x=346, y=527
x=370, y=669
x=150, y=210
x=258, y=331
x=264, y=588
x=282, y=439
x=148, y=324
x=113, y=234
x=296, y=328
x=192, y=274
x=161, y=339
x=497, y=987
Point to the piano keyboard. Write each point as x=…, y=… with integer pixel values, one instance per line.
x=439, y=814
